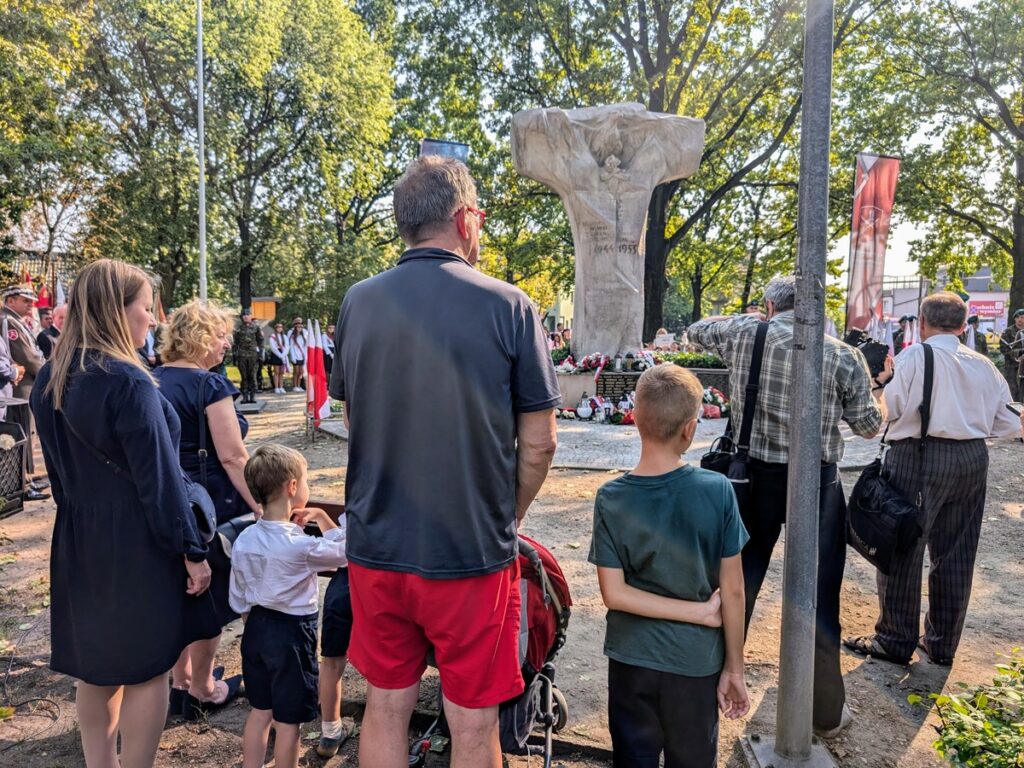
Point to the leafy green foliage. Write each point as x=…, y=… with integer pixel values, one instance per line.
x=983, y=726
x=960, y=65
x=558, y=355
x=692, y=359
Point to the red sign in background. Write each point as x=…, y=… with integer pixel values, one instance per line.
x=990, y=308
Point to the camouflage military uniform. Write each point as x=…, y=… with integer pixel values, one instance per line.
x=1011, y=354
x=248, y=343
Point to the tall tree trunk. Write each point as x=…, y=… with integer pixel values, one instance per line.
x=245, y=253
x=1017, y=281
x=656, y=259
x=697, y=289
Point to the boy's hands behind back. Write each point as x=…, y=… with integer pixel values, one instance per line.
x=733, y=699
x=714, y=609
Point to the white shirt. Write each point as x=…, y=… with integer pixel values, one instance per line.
x=297, y=344
x=969, y=395
x=274, y=564
x=969, y=338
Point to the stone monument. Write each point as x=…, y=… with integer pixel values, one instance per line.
x=604, y=163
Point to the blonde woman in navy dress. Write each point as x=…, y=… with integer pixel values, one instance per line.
x=126, y=563
x=194, y=342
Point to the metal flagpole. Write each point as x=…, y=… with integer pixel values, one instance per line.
x=202, y=151
x=793, y=745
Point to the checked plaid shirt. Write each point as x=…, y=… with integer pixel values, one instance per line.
x=846, y=381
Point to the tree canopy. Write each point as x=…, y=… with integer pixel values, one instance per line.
x=315, y=107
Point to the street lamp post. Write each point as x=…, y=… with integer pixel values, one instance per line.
x=202, y=151
x=793, y=744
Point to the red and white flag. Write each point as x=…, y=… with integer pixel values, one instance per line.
x=873, y=196
x=317, y=404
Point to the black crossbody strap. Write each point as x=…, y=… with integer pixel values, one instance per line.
x=925, y=409
x=753, y=387
x=201, y=416
x=100, y=456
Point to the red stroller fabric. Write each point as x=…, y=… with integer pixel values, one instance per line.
x=544, y=611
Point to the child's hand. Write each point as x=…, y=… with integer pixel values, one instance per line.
x=306, y=515
x=714, y=609
x=732, y=695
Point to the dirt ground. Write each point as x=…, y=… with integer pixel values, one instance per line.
x=887, y=732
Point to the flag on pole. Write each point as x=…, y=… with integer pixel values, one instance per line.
x=317, y=405
x=890, y=339
x=62, y=298
x=873, y=195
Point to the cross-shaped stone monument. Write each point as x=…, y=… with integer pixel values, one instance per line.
x=604, y=163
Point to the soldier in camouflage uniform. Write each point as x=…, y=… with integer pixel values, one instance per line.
x=248, y=344
x=1011, y=349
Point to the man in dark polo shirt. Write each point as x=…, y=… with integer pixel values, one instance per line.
x=451, y=433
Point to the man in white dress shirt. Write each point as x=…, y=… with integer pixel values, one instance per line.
x=968, y=405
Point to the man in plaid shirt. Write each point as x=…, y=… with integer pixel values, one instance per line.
x=847, y=396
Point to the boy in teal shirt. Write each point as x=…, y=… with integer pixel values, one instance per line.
x=667, y=541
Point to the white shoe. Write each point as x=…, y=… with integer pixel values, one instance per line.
x=298, y=389
x=844, y=721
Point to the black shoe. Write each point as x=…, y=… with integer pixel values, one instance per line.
x=193, y=708
x=176, y=704
x=33, y=495
x=39, y=485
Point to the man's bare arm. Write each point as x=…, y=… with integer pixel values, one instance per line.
x=536, y=441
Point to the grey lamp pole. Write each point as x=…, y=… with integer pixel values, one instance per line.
x=202, y=151
x=793, y=744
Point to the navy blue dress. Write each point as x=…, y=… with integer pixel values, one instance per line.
x=118, y=607
x=181, y=387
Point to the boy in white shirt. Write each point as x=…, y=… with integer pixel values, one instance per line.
x=274, y=568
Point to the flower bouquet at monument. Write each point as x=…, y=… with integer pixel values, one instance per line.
x=716, y=404
x=567, y=366
x=592, y=362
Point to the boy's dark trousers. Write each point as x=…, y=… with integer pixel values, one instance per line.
x=764, y=517
x=650, y=712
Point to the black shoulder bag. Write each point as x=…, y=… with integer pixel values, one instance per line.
x=198, y=498
x=229, y=530
x=881, y=523
x=731, y=458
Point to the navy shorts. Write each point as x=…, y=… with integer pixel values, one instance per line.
x=337, y=626
x=279, y=665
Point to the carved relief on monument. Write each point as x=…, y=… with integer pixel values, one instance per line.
x=604, y=163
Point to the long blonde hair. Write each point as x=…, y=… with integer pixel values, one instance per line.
x=97, y=321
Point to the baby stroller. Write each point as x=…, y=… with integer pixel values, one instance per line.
x=545, y=618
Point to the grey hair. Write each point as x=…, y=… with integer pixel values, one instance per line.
x=944, y=311
x=432, y=189
x=781, y=291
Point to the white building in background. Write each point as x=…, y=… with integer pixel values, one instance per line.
x=985, y=298
x=560, y=312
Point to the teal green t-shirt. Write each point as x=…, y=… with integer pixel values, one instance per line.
x=669, y=535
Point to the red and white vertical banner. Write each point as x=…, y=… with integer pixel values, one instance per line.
x=317, y=404
x=873, y=194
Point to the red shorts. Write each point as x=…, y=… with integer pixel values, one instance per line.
x=473, y=625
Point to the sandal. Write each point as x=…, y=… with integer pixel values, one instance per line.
x=868, y=646
x=195, y=708
x=934, y=659
x=176, y=704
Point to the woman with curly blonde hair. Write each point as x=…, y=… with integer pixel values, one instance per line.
x=126, y=555
x=213, y=454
